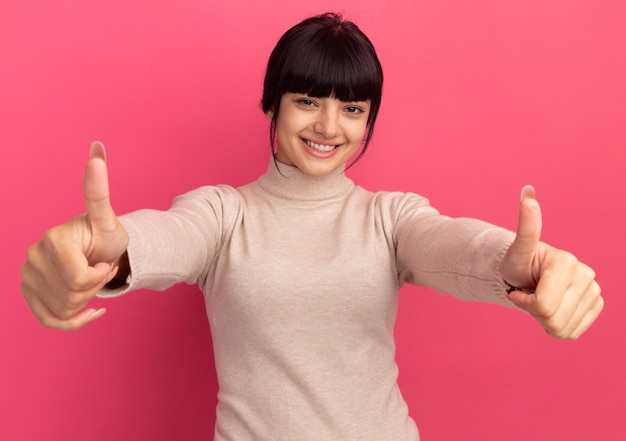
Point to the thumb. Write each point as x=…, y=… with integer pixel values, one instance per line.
x=521, y=254
x=96, y=190
x=529, y=222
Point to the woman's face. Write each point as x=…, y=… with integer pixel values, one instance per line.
x=318, y=135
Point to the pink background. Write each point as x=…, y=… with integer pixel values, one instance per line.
x=480, y=98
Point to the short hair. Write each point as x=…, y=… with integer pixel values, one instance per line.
x=324, y=56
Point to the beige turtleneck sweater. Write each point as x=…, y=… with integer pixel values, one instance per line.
x=300, y=276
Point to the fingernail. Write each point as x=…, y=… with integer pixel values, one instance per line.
x=528, y=191
x=97, y=150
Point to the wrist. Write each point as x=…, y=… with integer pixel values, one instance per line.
x=508, y=287
x=123, y=271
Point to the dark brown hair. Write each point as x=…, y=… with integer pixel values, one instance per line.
x=324, y=56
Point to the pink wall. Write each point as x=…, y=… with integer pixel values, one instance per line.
x=481, y=97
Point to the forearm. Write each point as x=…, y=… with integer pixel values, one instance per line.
x=455, y=256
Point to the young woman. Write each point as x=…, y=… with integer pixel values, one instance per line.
x=301, y=268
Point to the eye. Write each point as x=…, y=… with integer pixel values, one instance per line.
x=354, y=109
x=305, y=102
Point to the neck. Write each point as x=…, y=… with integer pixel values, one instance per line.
x=289, y=182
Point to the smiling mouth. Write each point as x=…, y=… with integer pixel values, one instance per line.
x=320, y=147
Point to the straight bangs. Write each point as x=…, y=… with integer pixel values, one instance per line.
x=332, y=68
x=324, y=57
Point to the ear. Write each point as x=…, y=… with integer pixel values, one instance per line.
x=269, y=115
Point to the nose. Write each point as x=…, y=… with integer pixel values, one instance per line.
x=327, y=123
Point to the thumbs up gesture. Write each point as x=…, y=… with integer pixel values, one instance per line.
x=559, y=291
x=75, y=260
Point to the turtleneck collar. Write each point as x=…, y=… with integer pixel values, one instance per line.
x=292, y=184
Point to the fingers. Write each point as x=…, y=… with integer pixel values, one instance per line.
x=589, y=318
x=567, y=299
x=96, y=190
x=55, y=295
x=58, y=312
x=73, y=261
x=576, y=314
x=49, y=320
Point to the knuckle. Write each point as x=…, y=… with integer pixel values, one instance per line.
x=546, y=309
x=77, y=288
x=586, y=272
x=562, y=333
x=571, y=337
x=600, y=302
x=48, y=322
x=74, y=285
x=556, y=328
x=569, y=260
x=74, y=301
x=54, y=239
x=596, y=307
x=30, y=252
x=50, y=238
x=32, y=259
x=25, y=289
x=597, y=287
x=24, y=277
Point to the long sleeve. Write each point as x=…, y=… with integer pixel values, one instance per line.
x=169, y=247
x=301, y=276
x=457, y=256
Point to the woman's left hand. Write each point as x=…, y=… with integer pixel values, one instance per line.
x=558, y=290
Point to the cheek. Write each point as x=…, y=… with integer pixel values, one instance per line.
x=285, y=124
x=358, y=132
x=281, y=132
x=285, y=134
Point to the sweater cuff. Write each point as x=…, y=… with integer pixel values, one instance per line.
x=115, y=291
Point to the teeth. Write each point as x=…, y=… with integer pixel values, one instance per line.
x=320, y=147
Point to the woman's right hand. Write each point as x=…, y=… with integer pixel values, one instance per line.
x=75, y=260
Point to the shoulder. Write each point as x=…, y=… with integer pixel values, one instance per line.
x=221, y=203
x=395, y=204
x=210, y=194
x=393, y=211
